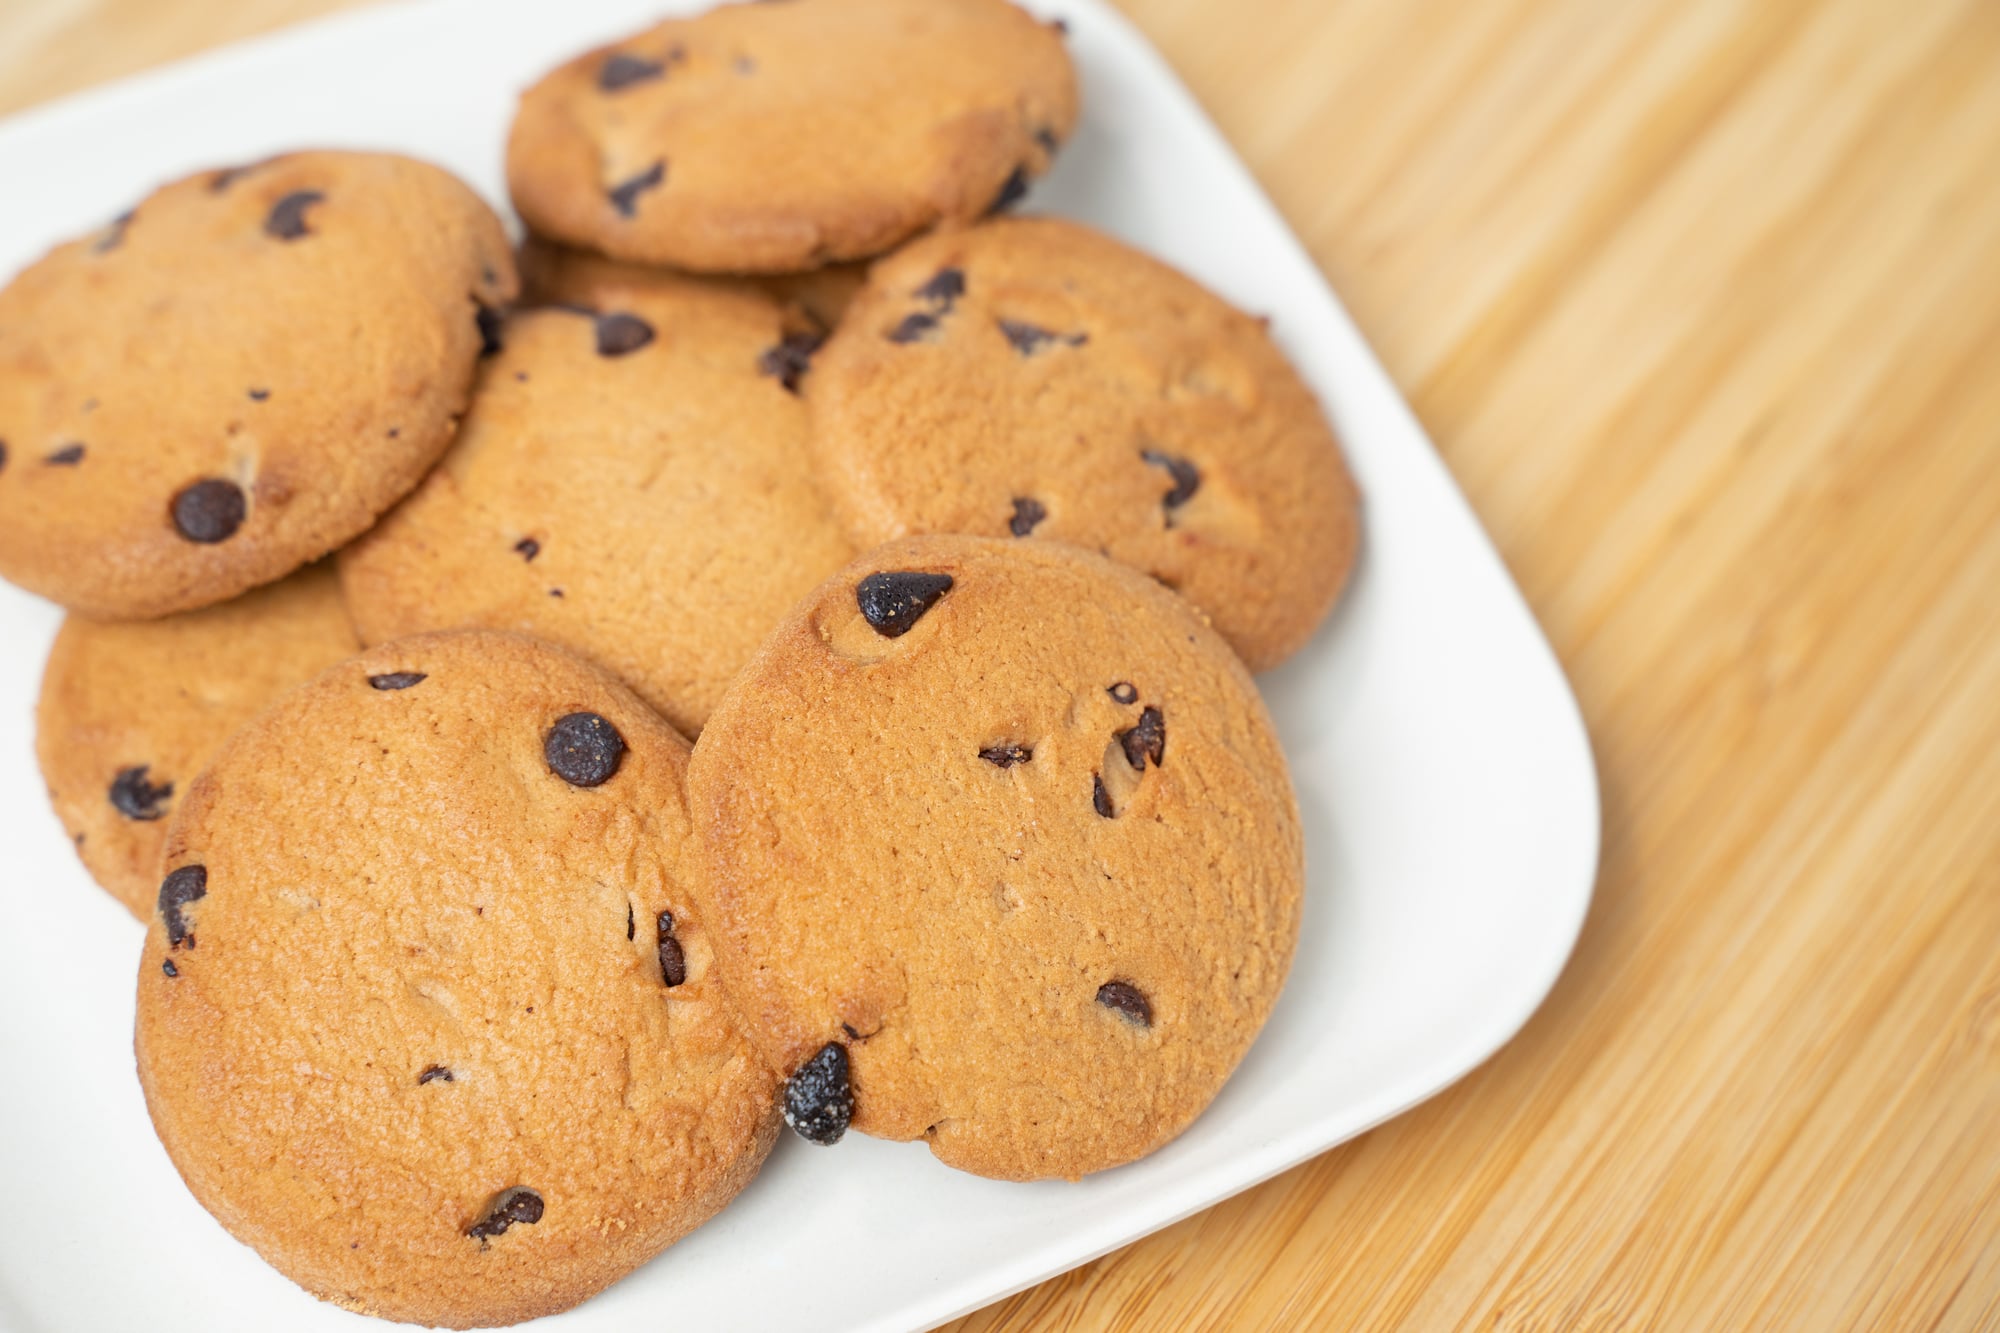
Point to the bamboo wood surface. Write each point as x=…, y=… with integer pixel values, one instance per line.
x=1701, y=301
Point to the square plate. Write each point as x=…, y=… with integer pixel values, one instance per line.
x=1449, y=797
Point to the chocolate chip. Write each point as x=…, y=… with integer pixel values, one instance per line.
x=210, y=510
x=434, y=1072
x=1061, y=26
x=622, y=71
x=492, y=326
x=1123, y=692
x=396, y=680
x=1011, y=193
x=790, y=358
x=894, y=600
x=3, y=453
x=228, y=176
x=625, y=196
x=67, y=456
x=528, y=547
x=1028, y=511
x=1046, y=137
x=167, y=966
x=1187, y=477
x=185, y=885
x=943, y=289
x=515, y=1205
x=631, y=923
x=619, y=334
x=1100, y=797
x=135, y=797
x=1027, y=339
x=583, y=749
x=259, y=395
x=819, y=1099
x=114, y=235
x=287, y=220
x=1128, y=1000
x=1006, y=756
x=1145, y=740
x=913, y=328
x=673, y=962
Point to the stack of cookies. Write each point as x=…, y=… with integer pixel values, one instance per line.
x=404, y=566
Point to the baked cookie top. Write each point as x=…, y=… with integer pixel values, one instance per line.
x=632, y=482
x=131, y=711
x=999, y=851
x=1033, y=377
x=775, y=137
x=426, y=1015
x=237, y=376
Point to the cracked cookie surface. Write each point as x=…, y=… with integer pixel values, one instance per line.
x=1032, y=377
x=236, y=376
x=780, y=137
x=998, y=852
x=408, y=1019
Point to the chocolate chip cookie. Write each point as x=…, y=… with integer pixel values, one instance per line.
x=426, y=1015
x=131, y=711
x=632, y=482
x=779, y=137
x=1032, y=378
x=237, y=376
x=1000, y=853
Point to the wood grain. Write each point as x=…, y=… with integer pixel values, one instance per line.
x=1701, y=301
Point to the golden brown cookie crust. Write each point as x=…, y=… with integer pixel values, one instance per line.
x=424, y=971
x=904, y=852
x=131, y=711
x=780, y=137
x=236, y=377
x=632, y=482
x=1035, y=377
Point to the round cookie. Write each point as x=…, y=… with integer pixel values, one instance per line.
x=237, y=376
x=779, y=137
x=1034, y=377
x=632, y=482
x=999, y=851
x=426, y=1016
x=131, y=711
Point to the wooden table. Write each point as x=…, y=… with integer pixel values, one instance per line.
x=1701, y=301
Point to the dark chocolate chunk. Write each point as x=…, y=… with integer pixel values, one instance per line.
x=913, y=329
x=135, y=797
x=631, y=923
x=3, y=453
x=287, y=220
x=185, y=885
x=492, y=328
x=1128, y=1000
x=622, y=71
x=625, y=195
x=396, y=680
x=673, y=962
x=583, y=749
x=515, y=1205
x=790, y=358
x=259, y=395
x=1028, y=511
x=67, y=456
x=167, y=966
x=1011, y=193
x=228, y=176
x=433, y=1073
x=528, y=547
x=944, y=288
x=1006, y=756
x=1123, y=692
x=210, y=510
x=1027, y=339
x=1187, y=477
x=1046, y=137
x=619, y=334
x=114, y=235
x=894, y=600
x=1100, y=797
x=1146, y=740
x=819, y=1099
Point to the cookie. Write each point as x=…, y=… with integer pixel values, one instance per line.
x=237, y=376
x=1035, y=378
x=426, y=1016
x=130, y=712
x=632, y=482
x=780, y=137
x=998, y=852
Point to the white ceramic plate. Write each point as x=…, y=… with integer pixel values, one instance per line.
x=1449, y=797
